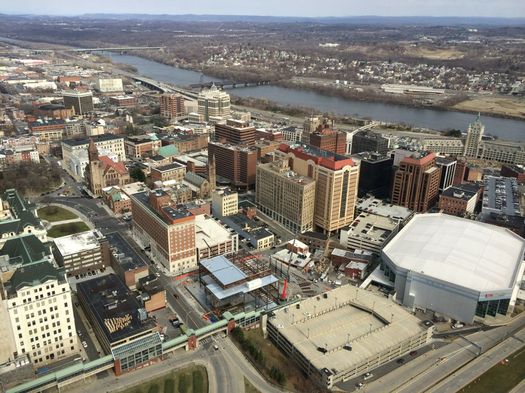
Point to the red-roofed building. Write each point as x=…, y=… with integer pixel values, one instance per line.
x=336, y=179
x=103, y=172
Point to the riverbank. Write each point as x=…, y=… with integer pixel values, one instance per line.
x=504, y=107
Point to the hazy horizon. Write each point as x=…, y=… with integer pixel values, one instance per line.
x=277, y=8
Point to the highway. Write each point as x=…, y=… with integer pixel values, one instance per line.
x=426, y=372
x=480, y=365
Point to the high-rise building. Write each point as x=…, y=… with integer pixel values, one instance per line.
x=82, y=102
x=172, y=106
x=212, y=173
x=474, y=135
x=364, y=141
x=285, y=196
x=416, y=182
x=461, y=169
x=329, y=140
x=36, y=303
x=214, y=104
x=336, y=178
x=447, y=166
x=242, y=135
x=234, y=163
x=375, y=174
x=168, y=230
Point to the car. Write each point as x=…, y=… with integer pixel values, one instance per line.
x=84, y=344
x=157, y=274
x=359, y=385
x=413, y=353
x=400, y=361
x=367, y=376
x=216, y=347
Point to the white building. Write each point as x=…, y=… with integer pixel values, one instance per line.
x=79, y=160
x=464, y=269
x=111, y=145
x=36, y=300
x=113, y=85
x=214, y=104
x=212, y=239
x=225, y=202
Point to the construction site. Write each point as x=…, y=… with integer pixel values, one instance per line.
x=241, y=282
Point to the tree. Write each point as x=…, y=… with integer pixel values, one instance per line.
x=137, y=174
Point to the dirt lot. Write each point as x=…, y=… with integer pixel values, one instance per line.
x=508, y=106
x=434, y=54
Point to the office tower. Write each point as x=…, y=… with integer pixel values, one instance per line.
x=336, y=179
x=234, y=163
x=214, y=104
x=375, y=174
x=474, y=135
x=461, y=169
x=416, y=182
x=364, y=141
x=285, y=196
x=329, y=140
x=212, y=173
x=168, y=230
x=448, y=167
x=241, y=135
x=172, y=106
x=82, y=102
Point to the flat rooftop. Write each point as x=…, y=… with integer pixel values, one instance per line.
x=79, y=242
x=173, y=213
x=343, y=317
x=126, y=256
x=209, y=232
x=459, y=193
x=466, y=253
x=97, y=138
x=372, y=228
x=501, y=195
x=133, y=188
x=169, y=167
x=377, y=206
x=114, y=307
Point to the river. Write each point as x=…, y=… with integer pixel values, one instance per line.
x=508, y=129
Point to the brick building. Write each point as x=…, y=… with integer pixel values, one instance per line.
x=416, y=182
x=235, y=163
x=168, y=230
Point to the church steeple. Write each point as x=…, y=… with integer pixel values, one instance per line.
x=92, y=151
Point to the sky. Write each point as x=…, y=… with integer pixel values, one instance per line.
x=483, y=8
